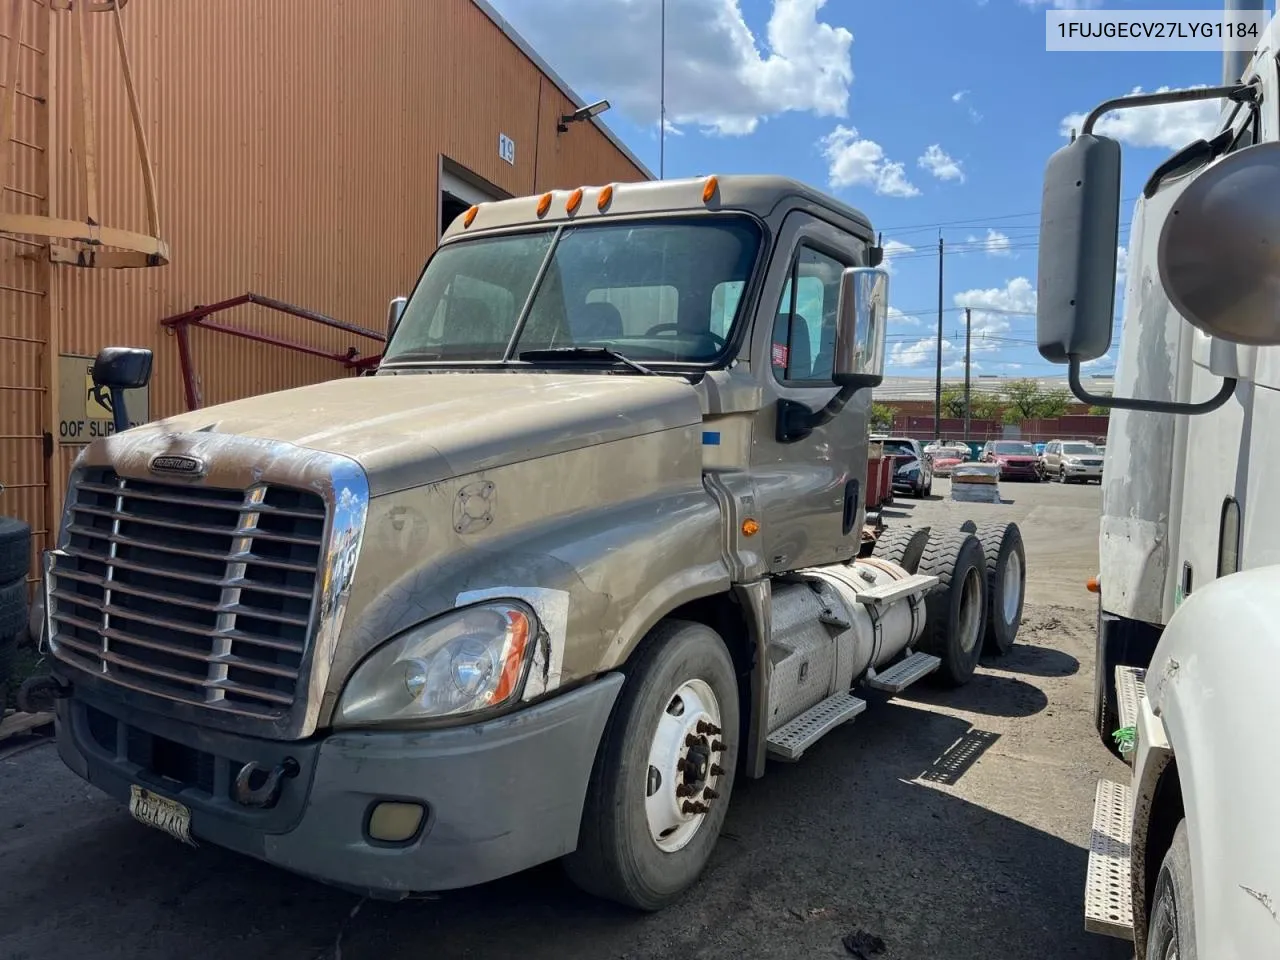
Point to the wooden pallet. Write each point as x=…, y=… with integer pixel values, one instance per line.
x=16, y=723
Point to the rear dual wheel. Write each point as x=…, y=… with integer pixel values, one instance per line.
x=956, y=606
x=664, y=772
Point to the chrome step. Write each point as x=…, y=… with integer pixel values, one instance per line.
x=796, y=736
x=1108, y=899
x=897, y=589
x=903, y=674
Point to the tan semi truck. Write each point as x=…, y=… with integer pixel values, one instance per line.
x=583, y=551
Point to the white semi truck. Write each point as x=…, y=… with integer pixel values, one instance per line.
x=1185, y=856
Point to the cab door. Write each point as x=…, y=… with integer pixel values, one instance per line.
x=809, y=490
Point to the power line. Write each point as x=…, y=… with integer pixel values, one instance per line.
x=950, y=223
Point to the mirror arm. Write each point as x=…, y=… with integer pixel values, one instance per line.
x=1147, y=406
x=1235, y=91
x=796, y=421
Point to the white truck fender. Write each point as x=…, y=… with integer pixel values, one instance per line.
x=1211, y=691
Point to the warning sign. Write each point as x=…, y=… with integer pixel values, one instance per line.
x=84, y=408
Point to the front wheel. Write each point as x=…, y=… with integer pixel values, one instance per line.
x=1171, y=935
x=664, y=773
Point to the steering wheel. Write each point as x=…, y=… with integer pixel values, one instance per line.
x=675, y=327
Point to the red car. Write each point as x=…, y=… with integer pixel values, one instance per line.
x=1017, y=459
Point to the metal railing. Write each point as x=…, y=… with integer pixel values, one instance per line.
x=181, y=324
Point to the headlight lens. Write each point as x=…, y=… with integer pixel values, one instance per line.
x=465, y=661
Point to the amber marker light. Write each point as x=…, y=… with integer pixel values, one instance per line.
x=606, y=196
x=574, y=201
x=470, y=216
x=750, y=527
x=1094, y=585
x=709, y=189
x=544, y=204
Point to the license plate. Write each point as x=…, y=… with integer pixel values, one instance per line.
x=162, y=813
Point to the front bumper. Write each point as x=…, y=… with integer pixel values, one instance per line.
x=1080, y=471
x=1019, y=471
x=500, y=796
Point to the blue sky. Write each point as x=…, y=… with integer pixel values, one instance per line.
x=927, y=115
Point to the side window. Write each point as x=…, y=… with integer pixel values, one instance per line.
x=804, y=329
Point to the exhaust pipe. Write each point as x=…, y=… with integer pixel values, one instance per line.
x=1235, y=61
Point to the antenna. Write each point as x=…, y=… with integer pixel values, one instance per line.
x=662, y=96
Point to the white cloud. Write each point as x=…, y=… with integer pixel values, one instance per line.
x=995, y=244
x=1063, y=4
x=1103, y=361
x=1167, y=125
x=899, y=319
x=939, y=163
x=962, y=97
x=719, y=75
x=920, y=352
x=894, y=248
x=855, y=162
x=1122, y=265
x=992, y=309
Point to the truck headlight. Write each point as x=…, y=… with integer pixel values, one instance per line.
x=469, y=660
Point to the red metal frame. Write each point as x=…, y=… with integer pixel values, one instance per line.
x=180, y=324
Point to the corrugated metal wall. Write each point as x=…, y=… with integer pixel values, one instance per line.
x=296, y=146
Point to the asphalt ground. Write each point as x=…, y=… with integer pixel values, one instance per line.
x=947, y=824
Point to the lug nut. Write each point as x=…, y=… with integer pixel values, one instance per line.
x=718, y=745
x=691, y=741
x=709, y=794
x=717, y=770
x=685, y=790
x=682, y=764
x=704, y=727
x=692, y=807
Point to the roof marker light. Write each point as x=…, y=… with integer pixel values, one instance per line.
x=709, y=189
x=470, y=216
x=605, y=198
x=544, y=204
x=575, y=199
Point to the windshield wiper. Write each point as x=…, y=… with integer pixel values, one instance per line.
x=585, y=353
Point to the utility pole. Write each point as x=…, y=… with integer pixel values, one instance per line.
x=662, y=98
x=968, y=339
x=937, y=392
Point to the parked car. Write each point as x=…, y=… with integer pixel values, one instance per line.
x=1072, y=461
x=913, y=468
x=1017, y=459
x=947, y=455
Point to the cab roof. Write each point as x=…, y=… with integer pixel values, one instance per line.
x=753, y=193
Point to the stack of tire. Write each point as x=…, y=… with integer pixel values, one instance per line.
x=15, y=556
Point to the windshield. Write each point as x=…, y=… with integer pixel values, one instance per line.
x=1079, y=448
x=656, y=290
x=895, y=448
x=1015, y=449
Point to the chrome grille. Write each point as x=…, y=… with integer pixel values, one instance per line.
x=192, y=593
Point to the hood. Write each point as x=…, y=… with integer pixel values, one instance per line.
x=407, y=430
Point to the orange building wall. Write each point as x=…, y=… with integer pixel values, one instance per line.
x=296, y=146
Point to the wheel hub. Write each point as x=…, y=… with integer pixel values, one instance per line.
x=684, y=766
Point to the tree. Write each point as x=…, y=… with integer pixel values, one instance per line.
x=953, y=402
x=982, y=406
x=881, y=418
x=1028, y=401
x=1096, y=411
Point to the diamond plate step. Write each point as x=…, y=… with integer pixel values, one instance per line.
x=796, y=736
x=1108, y=900
x=902, y=675
x=897, y=589
x=1130, y=689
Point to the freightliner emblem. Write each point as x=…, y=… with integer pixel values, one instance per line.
x=178, y=464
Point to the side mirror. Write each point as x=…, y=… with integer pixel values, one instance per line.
x=118, y=369
x=1216, y=252
x=862, y=315
x=1079, y=228
x=395, y=310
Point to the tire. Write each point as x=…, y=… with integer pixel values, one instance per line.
x=618, y=857
x=1006, y=572
x=8, y=672
x=956, y=607
x=15, y=549
x=903, y=546
x=13, y=609
x=1172, y=930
